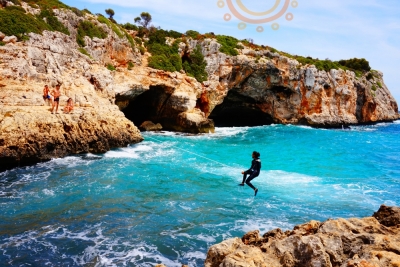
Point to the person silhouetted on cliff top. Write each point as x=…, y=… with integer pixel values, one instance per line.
x=56, y=93
x=254, y=171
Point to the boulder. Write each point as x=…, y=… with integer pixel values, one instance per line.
x=150, y=126
x=10, y=39
x=388, y=216
x=2, y=35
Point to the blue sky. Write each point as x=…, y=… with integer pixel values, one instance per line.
x=339, y=29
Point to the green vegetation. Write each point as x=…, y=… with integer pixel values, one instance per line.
x=111, y=24
x=130, y=40
x=192, y=34
x=129, y=26
x=110, y=67
x=374, y=88
x=48, y=4
x=142, y=50
x=144, y=20
x=15, y=2
x=195, y=65
x=86, y=11
x=2, y=43
x=110, y=12
x=370, y=76
x=77, y=12
x=163, y=57
x=162, y=62
x=138, y=41
x=356, y=64
x=130, y=65
x=229, y=45
x=83, y=51
x=166, y=57
x=379, y=84
x=87, y=28
x=52, y=21
x=14, y=21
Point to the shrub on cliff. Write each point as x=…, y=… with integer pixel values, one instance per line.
x=55, y=25
x=129, y=26
x=87, y=28
x=110, y=24
x=47, y=4
x=14, y=21
x=195, y=65
x=192, y=34
x=228, y=45
x=162, y=62
x=360, y=64
x=164, y=57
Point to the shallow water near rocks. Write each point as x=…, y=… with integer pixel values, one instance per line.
x=157, y=202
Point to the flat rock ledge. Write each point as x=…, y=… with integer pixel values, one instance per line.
x=367, y=242
x=30, y=134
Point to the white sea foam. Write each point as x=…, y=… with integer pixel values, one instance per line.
x=229, y=131
x=48, y=192
x=262, y=225
x=286, y=178
x=195, y=255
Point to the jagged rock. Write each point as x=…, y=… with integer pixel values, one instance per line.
x=353, y=242
x=388, y=216
x=2, y=35
x=10, y=39
x=150, y=126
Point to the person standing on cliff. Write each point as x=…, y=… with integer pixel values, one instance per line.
x=46, y=95
x=56, y=93
x=254, y=171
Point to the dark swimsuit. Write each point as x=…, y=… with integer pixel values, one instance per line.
x=57, y=99
x=254, y=171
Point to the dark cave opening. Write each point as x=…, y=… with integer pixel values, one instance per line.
x=148, y=106
x=239, y=111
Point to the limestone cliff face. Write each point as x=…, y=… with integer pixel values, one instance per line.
x=280, y=90
x=253, y=88
x=29, y=133
x=367, y=242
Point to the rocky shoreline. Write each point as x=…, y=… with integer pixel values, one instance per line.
x=367, y=242
x=115, y=91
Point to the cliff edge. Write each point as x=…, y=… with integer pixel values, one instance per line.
x=367, y=242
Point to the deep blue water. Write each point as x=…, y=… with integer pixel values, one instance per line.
x=157, y=202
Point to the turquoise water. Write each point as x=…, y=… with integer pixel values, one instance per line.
x=157, y=202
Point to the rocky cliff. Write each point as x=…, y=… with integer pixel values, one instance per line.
x=112, y=85
x=367, y=242
x=29, y=133
x=260, y=87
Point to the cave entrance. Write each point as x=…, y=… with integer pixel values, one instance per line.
x=239, y=111
x=148, y=106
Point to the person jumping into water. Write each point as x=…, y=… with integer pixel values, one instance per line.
x=254, y=171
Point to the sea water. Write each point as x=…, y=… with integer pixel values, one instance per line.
x=169, y=198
